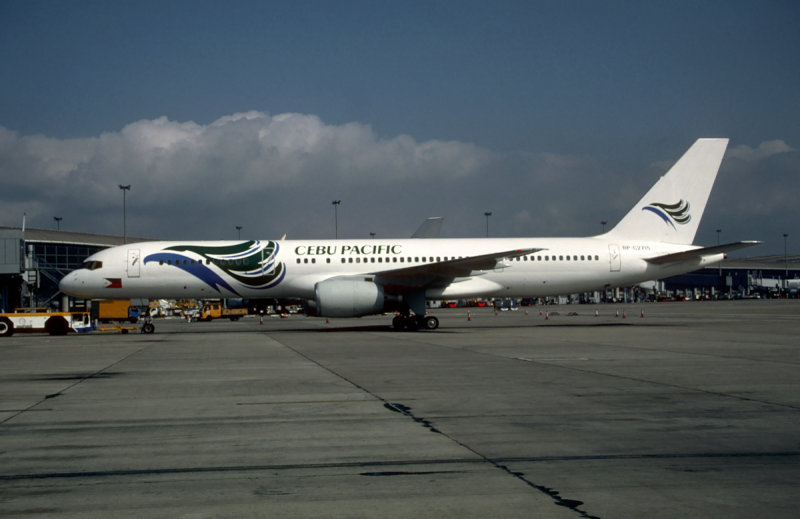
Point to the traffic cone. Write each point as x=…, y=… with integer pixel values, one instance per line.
x=547, y=316
x=623, y=314
x=469, y=317
x=617, y=313
x=596, y=313
x=327, y=321
x=642, y=313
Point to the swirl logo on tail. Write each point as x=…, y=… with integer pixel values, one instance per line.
x=671, y=213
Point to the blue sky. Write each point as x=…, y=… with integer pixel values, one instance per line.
x=579, y=97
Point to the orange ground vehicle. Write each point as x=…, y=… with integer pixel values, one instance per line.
x=215, y=310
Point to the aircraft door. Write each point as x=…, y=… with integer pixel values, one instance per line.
x=614, y=258
x=271, y=267
x=134, y=263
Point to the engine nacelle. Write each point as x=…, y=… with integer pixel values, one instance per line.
x=349, y=298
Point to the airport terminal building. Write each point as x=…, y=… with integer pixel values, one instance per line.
x=33, y=261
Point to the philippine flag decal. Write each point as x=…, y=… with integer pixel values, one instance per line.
x=113, y=282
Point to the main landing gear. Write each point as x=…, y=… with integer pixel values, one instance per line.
x=415, y=322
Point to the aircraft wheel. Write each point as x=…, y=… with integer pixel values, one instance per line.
x=413, y=323
x=399, y=322
x=6, y=327
x=148, y=328
x=430, y=322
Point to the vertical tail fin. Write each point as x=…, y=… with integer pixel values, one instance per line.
x=672, y=209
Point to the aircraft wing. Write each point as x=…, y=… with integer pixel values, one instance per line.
x=696, y=254
x=430, y=228
x=444, y=272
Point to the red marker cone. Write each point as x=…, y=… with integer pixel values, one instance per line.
x=596, y=313
x=469, y=317
x=642, y=313
x=547, y=316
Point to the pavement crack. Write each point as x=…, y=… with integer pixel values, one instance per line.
x=572, y=504
x=405, y=410
x=77, y=379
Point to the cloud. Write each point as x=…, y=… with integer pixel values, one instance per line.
x=276, y=174
x=765, y=149
x=183, y=172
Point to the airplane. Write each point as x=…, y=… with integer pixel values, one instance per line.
x=354, y=278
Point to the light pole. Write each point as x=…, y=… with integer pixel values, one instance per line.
x=239, y=231
x=58, y=222
x=336, y=215
x=786, y=264
x=124, y=213
x=487, y=215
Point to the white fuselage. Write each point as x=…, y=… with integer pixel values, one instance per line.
x=294, y=267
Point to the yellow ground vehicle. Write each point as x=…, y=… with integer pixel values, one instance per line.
x=115, y=310
x=29, y=320
x=214, y=310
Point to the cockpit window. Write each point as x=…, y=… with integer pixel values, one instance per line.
x=92, y=265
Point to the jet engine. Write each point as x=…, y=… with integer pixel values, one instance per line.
x=350, y=298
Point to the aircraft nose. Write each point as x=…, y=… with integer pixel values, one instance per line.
x=71, y=284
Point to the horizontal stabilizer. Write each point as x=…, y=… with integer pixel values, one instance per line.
x=700, y=253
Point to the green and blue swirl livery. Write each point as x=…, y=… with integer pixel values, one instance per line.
x=677, y=212
x=250, y=265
